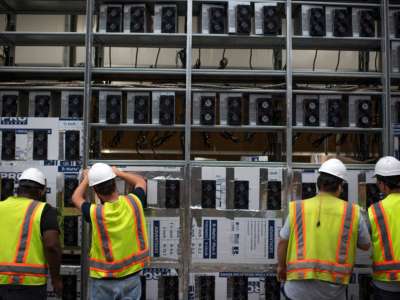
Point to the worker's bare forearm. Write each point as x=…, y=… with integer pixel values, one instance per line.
x=282, y=252
x=134, y=179
x=78, y=197
x=52, y=251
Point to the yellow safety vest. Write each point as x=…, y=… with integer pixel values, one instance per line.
x=119, y=238
x=385, y=227
x=325, y=252
x=22, y=259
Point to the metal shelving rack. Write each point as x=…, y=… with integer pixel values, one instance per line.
x=190, y=40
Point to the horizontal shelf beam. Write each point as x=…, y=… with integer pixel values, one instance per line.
x=61, y=7
x=138, y=127
x=233, y=75
x=331, y=77
x=351, y=43
x=150, y=40
x=119, y=74
x=337, y=92
x=161, y=212
x=42, y=73
x=336, y=129
x=218, y=41
x=144, y=163
x=219, y=163
x=245, y=128
x=42, y=38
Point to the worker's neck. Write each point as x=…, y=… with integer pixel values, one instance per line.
x=394, y=191
x=23, y=195
x=322, y=193
x=110, y=198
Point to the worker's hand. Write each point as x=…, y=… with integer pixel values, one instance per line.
x=57, y=286
x=85, y=173
x=281, y=273
x=116, y=171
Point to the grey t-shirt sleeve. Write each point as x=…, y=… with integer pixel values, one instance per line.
x=363, y=233
x=285, y=231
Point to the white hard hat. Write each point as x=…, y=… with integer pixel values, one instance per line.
x=99, y=173
x=33, y=174
x=334, y=167
x=387, y=166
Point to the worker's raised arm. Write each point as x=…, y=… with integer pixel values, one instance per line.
x=78, y=197
x=134, y=179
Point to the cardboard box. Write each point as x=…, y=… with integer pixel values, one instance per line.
x=238, y=240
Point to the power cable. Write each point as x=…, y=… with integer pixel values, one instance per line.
x=197, y=65
x=315, y=59
x=158, y=55
x=136, y=57
x=250, y=59
x=224, y=61
x=109, y=56
x=338, y=61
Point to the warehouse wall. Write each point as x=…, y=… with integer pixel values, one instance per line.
x=167, y=58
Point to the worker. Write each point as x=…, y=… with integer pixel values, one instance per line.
x=29, y=241
x=385, y=224
x=318, y=241
x=119, y=247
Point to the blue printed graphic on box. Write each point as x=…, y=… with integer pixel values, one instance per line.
x=214, y=238
x=156, y=238
x=14, y=121
x=21, y=131
x=69, y=169
x=206, y=239
x=271, y=239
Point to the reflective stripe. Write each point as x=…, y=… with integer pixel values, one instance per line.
x=139, y=222
x=4, y=268
x=382, y=231
x=103, y=233
x=387, y=267
x=26, y=225
x=344, y=239
x=319, y=266
x=116, y=266
x=299, y=230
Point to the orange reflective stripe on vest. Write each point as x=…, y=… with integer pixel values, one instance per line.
x=383, y=231
x=346, y=230
x=300, y=230
x=19, y=268
x=319, y=265
x=23, y=269
x=113, y=266
x=139, y=222
x=104, y=238
x=117, y=266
